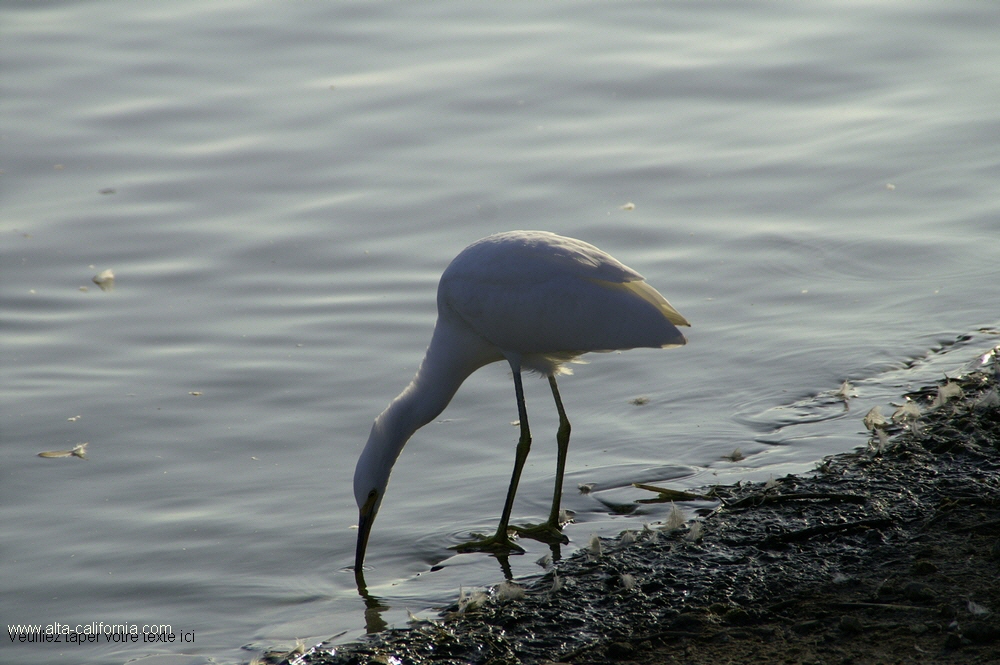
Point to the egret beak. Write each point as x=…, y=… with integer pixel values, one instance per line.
x=365, y=521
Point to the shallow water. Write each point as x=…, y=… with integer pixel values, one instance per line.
x=277, y=188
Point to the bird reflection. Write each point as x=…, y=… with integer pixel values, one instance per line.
x=374, y=606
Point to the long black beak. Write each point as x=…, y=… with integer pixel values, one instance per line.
x=365, y=520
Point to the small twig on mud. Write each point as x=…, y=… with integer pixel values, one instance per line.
x=761, y=499
x=884, y=606
x=822, y=530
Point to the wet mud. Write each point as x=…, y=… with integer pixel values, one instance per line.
x=889, y=554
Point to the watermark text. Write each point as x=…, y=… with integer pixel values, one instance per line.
x=98, y=632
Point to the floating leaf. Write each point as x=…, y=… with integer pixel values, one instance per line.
x=105, y=279
x=79, y=450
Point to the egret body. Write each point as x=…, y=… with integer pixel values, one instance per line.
x=537, y=300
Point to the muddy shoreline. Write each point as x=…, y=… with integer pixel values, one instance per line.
x=889, y=554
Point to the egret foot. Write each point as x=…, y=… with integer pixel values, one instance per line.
x=546, y=532
x=498, y=543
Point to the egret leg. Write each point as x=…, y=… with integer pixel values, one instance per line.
x=551, y=530
x=500, y=542
x=562, y=440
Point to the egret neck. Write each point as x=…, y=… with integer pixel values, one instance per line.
x=454, y=353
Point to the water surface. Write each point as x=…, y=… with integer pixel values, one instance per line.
x=278, y=186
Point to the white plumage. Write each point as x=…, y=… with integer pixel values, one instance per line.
x=537, y=300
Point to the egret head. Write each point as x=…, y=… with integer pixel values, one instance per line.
x=370, y=479
x=368, y=507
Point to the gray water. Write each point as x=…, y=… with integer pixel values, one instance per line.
x=278, y=186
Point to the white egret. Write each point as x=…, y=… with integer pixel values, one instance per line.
x=537, y=300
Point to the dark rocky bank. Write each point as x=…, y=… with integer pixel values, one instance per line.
x=890, y=554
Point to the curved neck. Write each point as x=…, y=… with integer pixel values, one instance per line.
x=454, y=353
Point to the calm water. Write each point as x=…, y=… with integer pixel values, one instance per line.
x=278, y=186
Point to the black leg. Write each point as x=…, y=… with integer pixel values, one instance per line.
x=523, y=448
x=500, y=542
x=562, y=441
x=550, y=531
